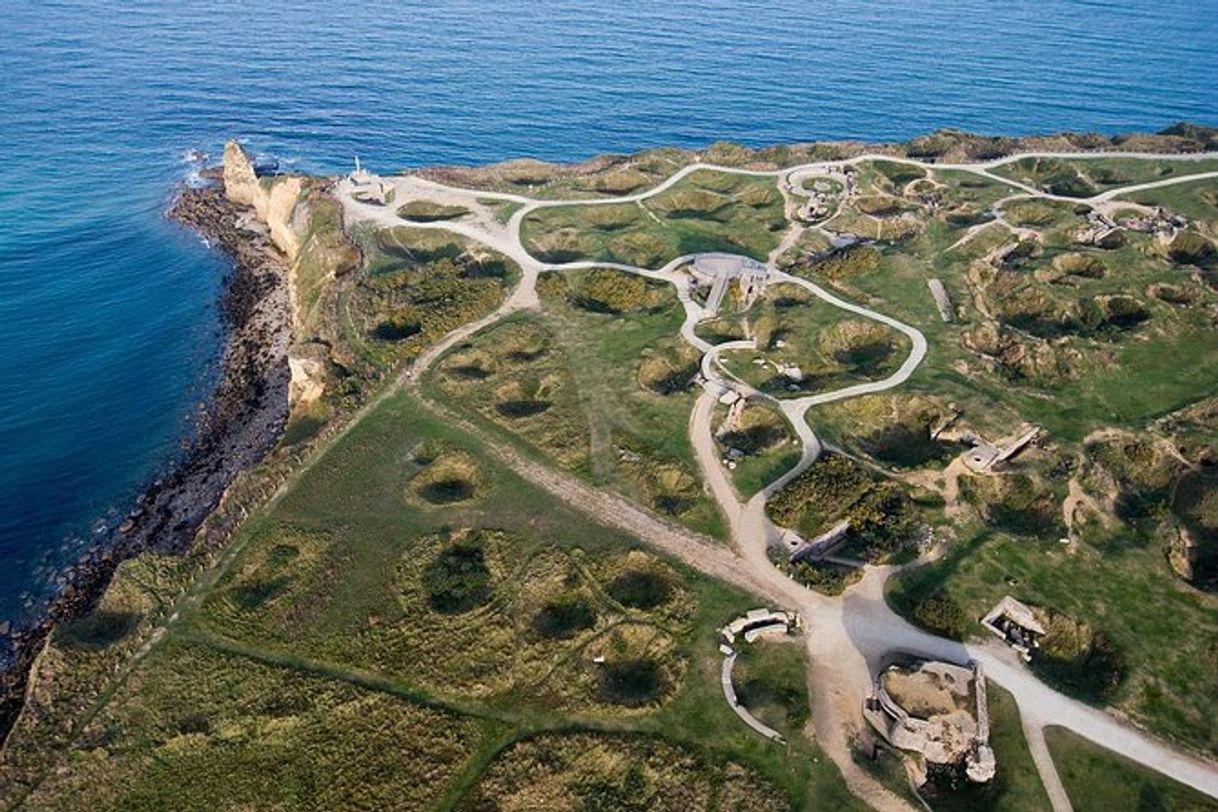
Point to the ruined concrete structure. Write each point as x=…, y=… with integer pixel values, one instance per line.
x=942, y=301
x=1016, y=624
x=754, y=624
x=938, y=711
x=822, y=545
x=984, y=456
x=718, y=271
x=370, y=188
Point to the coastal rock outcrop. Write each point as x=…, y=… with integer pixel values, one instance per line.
x=274, y=199
x=283, y=205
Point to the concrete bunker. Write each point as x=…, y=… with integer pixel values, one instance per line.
x=938, y=713
x=718, y=270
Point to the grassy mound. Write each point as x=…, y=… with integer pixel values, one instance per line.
x=1195, y=503
x=470, y=364
x=1141, y=469
x=862, y=345
x=668, y=370
x=1077, y=659
x=895, y=429
x=633, y=666
x=669, y=487
x=522, y=398
x=1070, y=268
x=447, y=478
x=605, y=290
x=1032, y=213
x=846, y=263
x=1055, y=176
x=881, y=516
x=426, y=211
x=1190, y=248
x=1017, y=503
x=758, y=429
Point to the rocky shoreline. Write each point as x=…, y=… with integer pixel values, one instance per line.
x=240, y=425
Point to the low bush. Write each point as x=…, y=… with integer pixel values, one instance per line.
x=458, y=579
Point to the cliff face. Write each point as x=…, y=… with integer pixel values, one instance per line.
x=291, y=216
x=274, y=199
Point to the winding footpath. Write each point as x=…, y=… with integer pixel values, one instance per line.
x=848, y=634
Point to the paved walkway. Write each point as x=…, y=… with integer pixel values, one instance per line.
x=848, y=634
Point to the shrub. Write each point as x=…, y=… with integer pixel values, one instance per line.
x=608, y=291
x=880, y=513
x=458, y=580
x=855, y=260
x=940, y=613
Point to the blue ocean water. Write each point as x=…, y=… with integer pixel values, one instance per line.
x=108, y=319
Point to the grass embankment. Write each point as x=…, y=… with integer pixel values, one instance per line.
x=427, y=211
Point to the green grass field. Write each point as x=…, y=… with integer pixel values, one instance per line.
x=771, y=680
x=409, y=624
x=1083, y=177
x=1100, y=781
x=349, y=615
